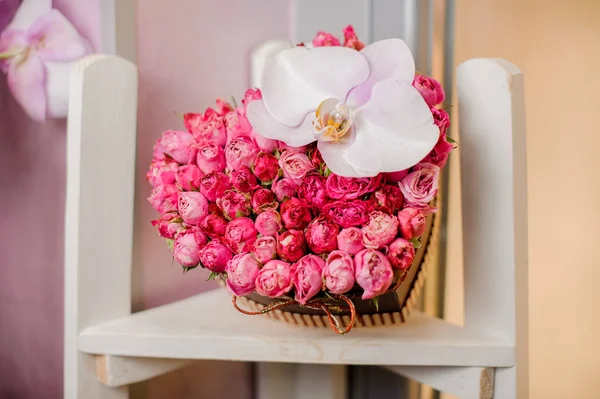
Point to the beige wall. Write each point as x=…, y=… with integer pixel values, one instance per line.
x=557, y=45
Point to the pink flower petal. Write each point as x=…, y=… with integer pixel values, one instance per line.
x=296, y=80
x=55, y=39
x=26, y=81
x=29, y=12
x=389, y=58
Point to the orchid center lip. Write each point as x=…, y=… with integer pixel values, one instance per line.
x=333, y=120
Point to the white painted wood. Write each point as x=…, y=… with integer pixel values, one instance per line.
x=99, y=210
x=300, y=381
x=169, y=331
x=118, y=28
x=116, y=371
x=494, y=195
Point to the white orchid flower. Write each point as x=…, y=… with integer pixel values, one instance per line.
x=360, y=106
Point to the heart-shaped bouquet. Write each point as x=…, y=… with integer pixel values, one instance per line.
x=315, y=196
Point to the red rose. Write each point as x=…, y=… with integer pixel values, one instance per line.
x=266, y=167
x=348, y=213
x=263, y=199
x=295, y=214
x=291, y=245
x=213, y=185
x=347, y=188
x=243, y=180
x=321, y=235
x=389, y=198
x=313, y=190
x=214, y=225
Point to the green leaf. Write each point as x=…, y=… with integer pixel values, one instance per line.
x=234, y=102
x=327, y=172
x=415, y=241
x=188, y=269
x=239, y=214
x=277, y=154
x=213, y=276
x=170, y=244
x=451, y=140
x=376, y=302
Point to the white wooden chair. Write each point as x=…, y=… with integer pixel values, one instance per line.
x=107, y=347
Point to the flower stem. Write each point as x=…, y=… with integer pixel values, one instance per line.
x=10, y=54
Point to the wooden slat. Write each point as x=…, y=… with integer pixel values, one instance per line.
x=116, y=371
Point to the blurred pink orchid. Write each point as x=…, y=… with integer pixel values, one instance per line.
x=36, y=60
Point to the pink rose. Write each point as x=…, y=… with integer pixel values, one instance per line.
x=263, y=143
x=164, y=198
x=291, y=245
x=419, y=187
x=263, y=199
x=162, y=171
x=223, y=107
x=241, y=151
x=313, y=190
x=266, y=167
x=439, y=155
x=168, y=225
x=235, y=204
x=268, y=223
x=237, y=125
x=207, y=127
x=240, y=235
x=193, y=207
x=316, y=158
x=347, y=213
x=325, y=39
x=401, y=254
x=284, y=188
x=187, y=246
x=158, y=151
x=339, y=272
x=380, y=230
x=178, y=145
x=295, y=214
x=339, y=187
x=242, y=271
x=350, y=240
x=441, y=119
x=243, y=180
x=213, y=185
x=307, y=277
x=373, y=272
x=430, y=89
x=215, y=255
x=395, y=177
x=295, y=166
x=321, y=235
x=251, y=95
x=389, y=198
x=213, y=225
x=264, y=249
x=412, y=223
x=351, y=40
x=292, y=150
x=274, y=279
x=210, y=158
x=188, y=177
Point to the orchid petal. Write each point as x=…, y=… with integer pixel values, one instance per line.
x=267, y=126
x=388, y=59
x=55, y=38
x=395, y=129
x=57, y=88
x=26, y=81
x=29, y=12
x=333, y=155
x=295, y=81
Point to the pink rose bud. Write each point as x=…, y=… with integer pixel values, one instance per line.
x=373, y=272
x=158, y=150
x=274, y=279
x=168, y=225
x=210, y=158
x=242, y=271
x=162, y=171
x=187, y=246
x=389, y=198
x=193, y=207
x=295, y=214
x=164, y=198
x=293, y=150
x=263, y=199
x=412, y=223
x=347, y=213
x=240, y=235
x=263, y=143
x=347, y=188
x=441, y=120
x=430, y=89
x=241, y=151
x=243, y=180
x=213, y=185
x=324, y=39
x=295, y=166
x=215, y=255
x=223, y=107
x=188, y=177
x=214, y=225
x=235, y=204
x=266, y=167
x=251, y=95
x=351, y=40
x=339, y=272
x=206, y=128
x=284, y=189
x=350, y=240
x=291, y=245
x=401, y=253
x=312, y=190
x=178, y=145
x=268, y=223
x=307, y=277
x=395, y=177
x=419, y=187
x=321, y=235
x=380, y=230
x=439, y=155
x=237, y=125
x=264, y=249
